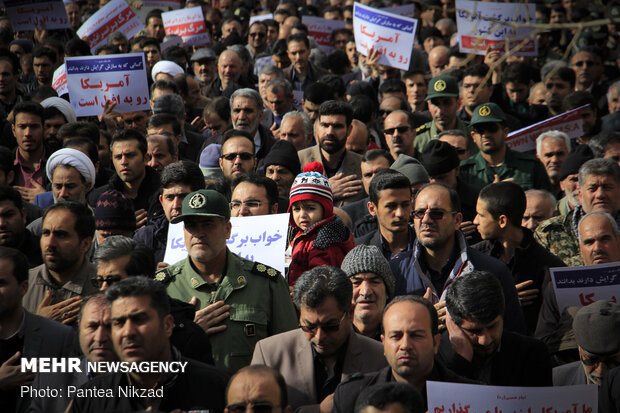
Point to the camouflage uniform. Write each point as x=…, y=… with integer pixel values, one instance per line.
x=557, y=234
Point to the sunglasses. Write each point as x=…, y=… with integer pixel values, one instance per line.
x=245, y=156
x=260, y=407
x=110, y=279
x=400, y=129
x=327, y=328
x=488, y=127
x=434, y=214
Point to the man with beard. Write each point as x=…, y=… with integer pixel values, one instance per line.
x=13, y=232
x=569, y=178
x=237, y=154
x=56, y=112
x=552, y=148
x=246, y=111
x=341, y=166
x=57, y=285
x=475, y=333
x=30, y=155
x=204, y=65
x=496, y=161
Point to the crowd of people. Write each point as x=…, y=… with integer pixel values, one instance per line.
x=419, y=241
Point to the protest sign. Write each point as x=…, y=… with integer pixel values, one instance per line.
x=580, y=286
x=259, y=238
x=465, y=398
x=568, y=122
x=59, y=81
x=94, y=80
x=483, y=24
x=260, y=17
x=32, y=14
x=321, y=31
x=407, y=10
x=163, y=4
x=187, y=23
x=389, y=34
x=114, y=16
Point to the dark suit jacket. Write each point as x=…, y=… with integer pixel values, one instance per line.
x=569, y=374
x=314, y=74
x=291, y=354
x=351, y=165
x=190, y=150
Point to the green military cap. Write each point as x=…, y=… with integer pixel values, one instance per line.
x=442, y=86
x=204, y=203
x=487, y=113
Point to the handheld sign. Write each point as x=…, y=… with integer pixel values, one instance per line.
x=259, y=238
x=29, y=15
x=114, y=16
x=389, y=34
x=94, y=80
x=321, y=31
x=581, y=286
x=483, y=24
x=59, y=81
x=471, y=398
x=187, y=23
x=569, y=122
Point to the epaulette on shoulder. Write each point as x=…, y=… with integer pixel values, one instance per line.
x=422, y=128
x=167, y=275
x=266, y=271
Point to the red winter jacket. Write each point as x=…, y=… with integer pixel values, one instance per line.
x=325, y=243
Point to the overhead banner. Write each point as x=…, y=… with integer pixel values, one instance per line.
x=569, y=122
x=32, y=14
x=114, y=16
x=94, y=80
x=484, y=25
x=581, y=286
x=321, y=29
x=163, y=4
x=259, y=238
x=472, y=398
x=187, y=23
x=389, y=34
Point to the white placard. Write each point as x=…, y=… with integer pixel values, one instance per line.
x=581, y=286
x=472, y=398
x=259, y=238
x=94, y=80
x=260, y=17
x=483, y=24
x=390, y=34
x=114, y=16
x=59, y=81
x=162, y=4
x=187, y=23
x=407, y=10
x=321, y=29
x=29, y=15
x=569, y=122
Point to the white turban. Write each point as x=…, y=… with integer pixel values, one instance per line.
x=63, y=106
x=166, y=66
x=74, y=158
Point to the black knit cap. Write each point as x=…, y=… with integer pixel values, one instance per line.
x=578, y=156
x=114, y=211
x=439, y=157
x=283, y=153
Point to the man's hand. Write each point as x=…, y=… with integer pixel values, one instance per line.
x=497, y=179
x=327, y=404
x=11, y=375
x=372, y=61
x=209, y=317
x=141, y=215
x=344, y=186
x=275, y=130
x=468, y=229
x=30, y=193
x=460, y=342
x=440, y=307
x=526, y=297
x=65, y=311
x=112, y=119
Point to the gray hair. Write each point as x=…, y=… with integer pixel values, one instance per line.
x=545, y=194
x=614, y=88
x=446, y=21
x=171, y=103
x=314, y=286
x=599, y=166
x=114, y=247
x=116, y=36
x=270, y=70
x=247, y=93
x=612, y=223
x=307, y=123
x=280, y=83
x=98, y=298
x=550, y=67
x=242, y=52
x=555, y=135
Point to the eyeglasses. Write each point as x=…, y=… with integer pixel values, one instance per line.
x=258, y=34
x=592, y=360
x=400, y=129
x=587, y=63
x=245, y=156
x=259, y=407
x=248, y=204
x=434, y=214
x=100, y=279
x=328, y=328
x=482, y=127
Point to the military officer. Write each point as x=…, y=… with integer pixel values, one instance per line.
x=496, y=161
x=239, y=302
x=443, y=102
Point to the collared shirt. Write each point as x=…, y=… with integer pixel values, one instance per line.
x=327, y=380
x=24, y=173
x=385, y=247
x=439, y=278
x=329, y=172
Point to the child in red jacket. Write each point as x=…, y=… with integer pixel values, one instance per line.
x=318, y=236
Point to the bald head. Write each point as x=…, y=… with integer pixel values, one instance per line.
x=438, y=59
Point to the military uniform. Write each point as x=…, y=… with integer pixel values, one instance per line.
x=558, y=236
x=260, y=305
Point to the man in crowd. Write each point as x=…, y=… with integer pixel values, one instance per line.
x=296, y=128
x=237, y=156
x=246, y=110
x=260, y=387
x=301, y=72
x=203, y=62
x=540, y=206
x=253, y=195
x=13, y=226
x=399, y=132
x=315, y=358
x=282, y=166
x=239, y=302
x=161, y=152
x=552, y=148
x=30, y=155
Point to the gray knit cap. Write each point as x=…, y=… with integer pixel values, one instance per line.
x=368, y=258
